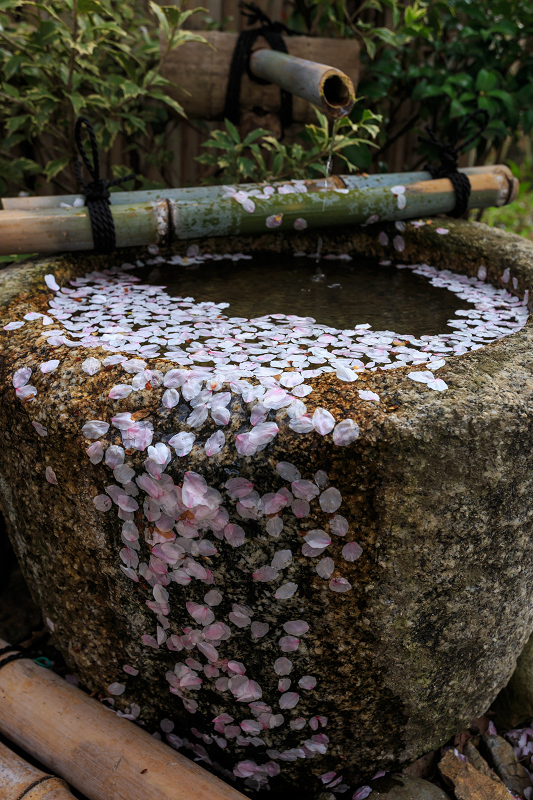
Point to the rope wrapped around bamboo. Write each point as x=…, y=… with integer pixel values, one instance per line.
x=200, y=214
x=102, y=755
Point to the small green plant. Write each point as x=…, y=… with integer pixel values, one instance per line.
x=60, y=59
x=260, y=156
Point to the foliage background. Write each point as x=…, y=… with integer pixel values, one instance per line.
x=425, y=61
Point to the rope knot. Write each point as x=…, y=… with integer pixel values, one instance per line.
x=97, y=195
x=448, y=153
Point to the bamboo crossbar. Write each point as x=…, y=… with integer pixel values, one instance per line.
x=195, y=193
x=48, y=230
x=102, y=755
x=21, y=781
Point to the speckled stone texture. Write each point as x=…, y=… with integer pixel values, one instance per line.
x=438, y=489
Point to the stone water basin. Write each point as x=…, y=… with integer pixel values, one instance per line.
x=301, y=572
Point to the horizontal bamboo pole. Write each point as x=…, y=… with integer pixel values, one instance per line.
x=199, y=193
x=322, y=86
x=52, y=230
x=49, y=230
x=20, y=780
x=103, y=756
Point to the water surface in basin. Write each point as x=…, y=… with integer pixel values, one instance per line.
x=337, y=293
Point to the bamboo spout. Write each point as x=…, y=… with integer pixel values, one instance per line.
x=326, y=87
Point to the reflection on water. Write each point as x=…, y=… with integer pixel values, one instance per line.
x=340, y=294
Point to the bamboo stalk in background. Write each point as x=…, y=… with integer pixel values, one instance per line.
x=51, y=230
x=103, y=756
x=194, y=193
x=18, y=780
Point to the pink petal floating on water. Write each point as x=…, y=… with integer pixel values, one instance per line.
x=51, y=283
x=289, y=700
x=300, y=224
x=323, y=421
x=166, y=725
x=193, y=489
x=367, y=395
x=210, y=652
x=50, y=475
x=149, y=640
x=120, y=391
x=289, y=644
x=383, y=239
x=116, y=689
x=442, y=231
x=340, y=585
x=102, y=502
x=330, y=500
x=200, y=613
x=130, y=670
x=13, y=326
x=287, y=471
x=49, y=366
x=286, y=590
x=274, y=221
x=21, y=377
x=308, y=682
x=482, y=273
x=325, y=567
x=345, y=432
x=351, y=551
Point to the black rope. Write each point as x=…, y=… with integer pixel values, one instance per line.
x=96, y=192
x=240, y=62
x=15, y=655
x=448, y=153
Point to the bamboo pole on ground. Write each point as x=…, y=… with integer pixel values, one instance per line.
x=18, y=780
x=49, y=230
x=103, y=756
x=195, y=193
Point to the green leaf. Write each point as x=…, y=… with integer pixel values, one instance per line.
x=53, y=168
x=232, y=130
x=486, y=81
x=90, y=7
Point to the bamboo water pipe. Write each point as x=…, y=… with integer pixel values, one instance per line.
x=200, y=74
x=103, y=756
x=50, y=230
x=200, y=193
x=19, y=780
x=322, y=86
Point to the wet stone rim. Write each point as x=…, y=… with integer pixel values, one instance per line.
x=409, y=396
